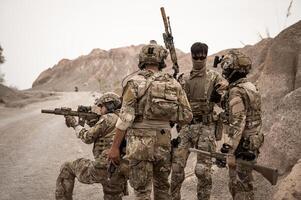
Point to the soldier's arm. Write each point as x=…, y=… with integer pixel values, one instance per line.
x=185, y=112
x=221, y=84
x=88, y=136
x=125, y=120
x=129, y=104
x=237, y=118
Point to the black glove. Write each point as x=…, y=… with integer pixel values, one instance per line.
x=178, y=127
x=225, y=148
x=172, y=124
x=175, y=142
x=91, y=122
x=221, y=163
x=246, y=155
x=215, y=96
x=217, y=60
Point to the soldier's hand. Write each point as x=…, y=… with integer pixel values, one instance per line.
x=215, y=96
x=70, y=121
x=220, y=163
x=226, y=148
x=91, y=122
x=231, y=161
x=114, y=155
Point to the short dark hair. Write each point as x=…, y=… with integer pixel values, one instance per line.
x=199, y=48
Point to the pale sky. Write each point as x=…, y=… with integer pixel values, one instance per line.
x=37, y=34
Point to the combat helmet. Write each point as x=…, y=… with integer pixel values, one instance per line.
x=235, y=61
x=110, y=100
x=152, y=53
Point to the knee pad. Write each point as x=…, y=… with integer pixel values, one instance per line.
x=65, y=171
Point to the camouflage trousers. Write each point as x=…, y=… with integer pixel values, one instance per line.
x=149, y=155
x=193, y=136
x=240, y=183
x=89, y=172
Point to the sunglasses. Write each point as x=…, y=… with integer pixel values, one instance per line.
x=199, y=57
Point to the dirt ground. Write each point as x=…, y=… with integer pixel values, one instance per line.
x=33, y=146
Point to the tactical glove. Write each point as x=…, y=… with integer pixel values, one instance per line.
x=215, y=96
x=220, y=163
x=91, y=122
x=175, y=142
x=70, y=121
x=226, y=148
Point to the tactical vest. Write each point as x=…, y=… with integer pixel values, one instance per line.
x=157, y=97
x=252, y=102
x=198, y=90
x=104, y=141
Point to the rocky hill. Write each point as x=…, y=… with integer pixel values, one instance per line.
x=276, y=71
x=100, y=70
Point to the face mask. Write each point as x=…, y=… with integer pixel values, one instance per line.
x=199, y=64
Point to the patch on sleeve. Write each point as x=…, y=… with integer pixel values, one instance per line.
x=236, y=105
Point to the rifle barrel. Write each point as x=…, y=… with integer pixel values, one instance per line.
x=164, y=19
x=47, y=111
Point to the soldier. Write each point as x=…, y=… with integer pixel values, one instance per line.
x=203, y=88
x=151, y=99
x=242, y=104
x=88, y=171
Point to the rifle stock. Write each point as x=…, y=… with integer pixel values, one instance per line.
x=271, y=174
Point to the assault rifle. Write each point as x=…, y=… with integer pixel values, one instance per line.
x=271, y=174
x=84, y=113
x=169, y=44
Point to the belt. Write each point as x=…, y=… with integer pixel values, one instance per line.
x=205, y=119
x=151, y=124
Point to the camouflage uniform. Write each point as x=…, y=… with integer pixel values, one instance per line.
x=199, y=134
x=88, y=171
x=242, y=105
x=148, y=137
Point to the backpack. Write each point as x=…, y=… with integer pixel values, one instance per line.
x=161, y=93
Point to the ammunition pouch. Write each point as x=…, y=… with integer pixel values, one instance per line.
x=244, y=150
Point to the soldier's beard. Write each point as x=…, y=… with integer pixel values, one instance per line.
x=199, y=64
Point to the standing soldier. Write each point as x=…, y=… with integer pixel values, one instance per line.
x=87, y=171
x=151, y=99
x=203, y=88
x=242, y=104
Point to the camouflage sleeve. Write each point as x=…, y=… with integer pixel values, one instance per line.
x=99, y=129
x=221, y=84
x=185, y=112
x=237, y=117
x=129, y=104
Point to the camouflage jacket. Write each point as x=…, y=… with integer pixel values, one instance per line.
x=242, y=104
x=101, y=134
